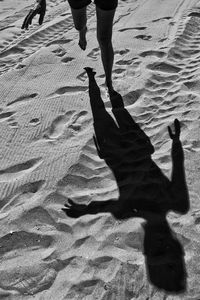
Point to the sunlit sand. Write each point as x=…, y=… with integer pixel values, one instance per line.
x=48, y=154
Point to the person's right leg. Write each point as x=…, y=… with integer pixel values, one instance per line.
x=105, y=10
x=104, y=37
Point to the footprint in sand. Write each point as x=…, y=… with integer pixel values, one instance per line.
x=82, y=76
x=143, y=37
x=67, y=59
x=20, y=66
x=23, y=99
x=122, y=52
x=194, y=14
x=124, y=62
x=60, y=52
x=6, y=115
x=160, y=19
x=65, y=14
x=12, y=123
x=132, y=28
x=69, y=90
x=94, y=53
x=159, y=54
x=58, y=125
x=162, y=40
x=71, y=121
x=78, y=120
x=19, y=170
x=34, y=122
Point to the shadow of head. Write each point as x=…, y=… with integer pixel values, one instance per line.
x=164, y=258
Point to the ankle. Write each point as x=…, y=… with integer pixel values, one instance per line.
x=109, y=85
x=83, y=30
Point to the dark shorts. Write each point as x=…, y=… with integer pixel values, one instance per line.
x=103, y=4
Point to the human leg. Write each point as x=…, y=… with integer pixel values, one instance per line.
x=106, y=5
x=104, y=37
x=78, y=9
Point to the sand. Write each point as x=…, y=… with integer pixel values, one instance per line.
x=47, y=152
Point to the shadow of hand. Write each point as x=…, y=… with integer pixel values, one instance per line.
x=177, y=130
x=74, y=210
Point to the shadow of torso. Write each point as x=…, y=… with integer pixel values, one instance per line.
x=127, y=151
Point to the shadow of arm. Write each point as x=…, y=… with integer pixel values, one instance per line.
x=74, y=210
x=114, y=207
x=178, y=188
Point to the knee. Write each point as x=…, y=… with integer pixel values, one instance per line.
x=104, y=39
x=79, y=27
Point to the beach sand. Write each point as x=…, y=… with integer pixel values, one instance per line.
x=47, y=152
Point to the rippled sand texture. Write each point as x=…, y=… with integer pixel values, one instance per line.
x=47, y=153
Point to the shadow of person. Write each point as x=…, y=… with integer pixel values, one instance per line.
x=144, y=191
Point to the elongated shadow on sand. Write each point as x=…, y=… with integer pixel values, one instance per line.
x=144, y=191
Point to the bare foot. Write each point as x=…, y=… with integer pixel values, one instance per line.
x=82, y=38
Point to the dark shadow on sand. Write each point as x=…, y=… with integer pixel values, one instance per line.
x=144, y=191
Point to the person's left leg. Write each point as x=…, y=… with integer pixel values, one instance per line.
x=80, y=20
x=78, y=9
x=104, y=37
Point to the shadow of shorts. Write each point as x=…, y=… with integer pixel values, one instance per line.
x=102, y=4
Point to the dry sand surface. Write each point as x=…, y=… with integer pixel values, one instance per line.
x=47, y=152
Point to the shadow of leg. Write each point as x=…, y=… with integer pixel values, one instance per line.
x=105, y=128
